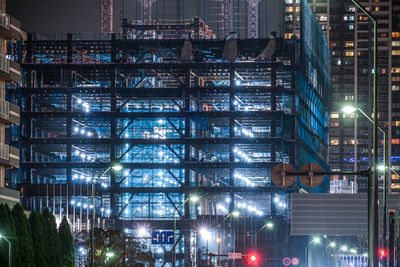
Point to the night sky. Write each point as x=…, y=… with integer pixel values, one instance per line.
x=52, y=16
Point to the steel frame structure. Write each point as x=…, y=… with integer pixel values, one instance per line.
x=208, y=127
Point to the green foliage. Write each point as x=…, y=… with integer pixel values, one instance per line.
x=22, y=246
x=116, y=241
x=67, y=244
x=35, y=242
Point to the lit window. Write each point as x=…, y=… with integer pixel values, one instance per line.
x=349, y=53
x=288, y=35
x=395, y=34
x=395, y=79
x=323, y=18
x=351, y=27
x=395, y=186
x=338, y=62
x=289, y=1
x=335, y=115
x=351, y=17
x=395, y=52
x=396, y=123
x=395, y=141
x=334, y=142
x=297, y=9
x=395, y=43
x=334, y=124
x=345, y=18
x=396, y=70
x=349, y=44
x=395, y=177
x=289, y=9
x=395, y=87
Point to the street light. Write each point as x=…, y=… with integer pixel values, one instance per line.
x=115, y=167
x=9, y=248
x=194, y=199
x=315, y=240
x=205, y=234
x=373, y=223
x=348, y=109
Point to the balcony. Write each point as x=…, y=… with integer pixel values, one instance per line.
x=9, y=71
x=9, y=156
x=10, y=28
x=9, y=113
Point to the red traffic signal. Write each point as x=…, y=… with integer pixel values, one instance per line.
x=383, y=253
x=252, y=259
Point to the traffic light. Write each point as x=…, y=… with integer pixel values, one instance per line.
x=383, y=253
x=252, y=258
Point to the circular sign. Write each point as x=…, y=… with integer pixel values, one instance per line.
x=295, y=261
x=311, y=180
x=286, y=261
x=278, y=175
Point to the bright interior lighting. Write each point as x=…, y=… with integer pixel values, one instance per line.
x=205, y=234
x=381, y=167
x=270, y=225
x=142, y=232
x=194, y=198
x=235, y=213
x=316, y=240
x=117, y=167
x=348, y=109
x=344, y=248
x=332, y=244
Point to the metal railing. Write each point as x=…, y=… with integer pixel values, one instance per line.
x=4, y=64
x=5, y=20
x=4, y=151
x=4, y=109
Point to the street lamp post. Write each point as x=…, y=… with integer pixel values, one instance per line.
x=115, y=167
x=9, y=248
x=349, y=110
x=315, y=240
x=373, y=223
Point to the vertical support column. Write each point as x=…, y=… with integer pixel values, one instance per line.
x=252, y=19
x=69, y=78
x=392, y=223
x=106, y=10
x=227, y=14
x=184, y=226
x=273, y=108
x=113, y=131
x=147, y=14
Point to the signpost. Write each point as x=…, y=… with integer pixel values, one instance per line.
x=162, y=237
x=295, y=261
x=286, y=261
x=235, y=256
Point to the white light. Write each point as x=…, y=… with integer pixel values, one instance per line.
x=102, y=209
x=126, y=173
x=84, y=206
x=79, y=204
x=159, y=183
x=280, y=204
x=89, y=134
x=284, y=205
x=160, y=173
x=72, y=202
x=83, y=131
x=76, y=129
x=108, y=211
x=142, y=232
x=126, y=201
x=160, y=153
x=77, y=152
x=89, y=157
x=87, y=110
x=82, y=177
x=276, y=199
x=79, y=100
x=237, y=82
x=75, y=176
x=126, y=211
x=235, y=102
x=86, y=105
x=205, y=234
x=91, y=206
x=83, y=155
x=160, y=121
x=246, y=108
x=88, y=179
x=126, y=145
x=227, y=199
x=126, y=135
x=104, y=185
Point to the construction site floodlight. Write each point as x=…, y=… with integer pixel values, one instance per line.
x=381, y=167
x=235, y=213
x=332, y=244
x=270, y=225
x=316, y=240
x=348, y=109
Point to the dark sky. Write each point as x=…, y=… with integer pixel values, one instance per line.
x=52, y=16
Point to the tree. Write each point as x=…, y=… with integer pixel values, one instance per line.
x=67, y=244
x=52, y=239
x=137, y=254
x=7, y=229
x=40, y=248
x=22, y=246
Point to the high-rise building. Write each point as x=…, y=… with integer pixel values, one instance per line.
x=350, y=34
x=9, y=112
x=197, y=125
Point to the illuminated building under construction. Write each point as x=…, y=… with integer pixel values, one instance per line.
x=190, y=118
